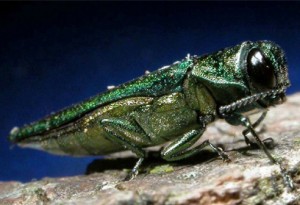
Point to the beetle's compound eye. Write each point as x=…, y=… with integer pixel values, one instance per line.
x=260, y=70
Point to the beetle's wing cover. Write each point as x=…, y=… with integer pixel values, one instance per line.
x=160, y=82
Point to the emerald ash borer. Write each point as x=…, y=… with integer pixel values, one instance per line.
x=172, y=104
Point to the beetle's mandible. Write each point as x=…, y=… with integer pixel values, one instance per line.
x=175, y=103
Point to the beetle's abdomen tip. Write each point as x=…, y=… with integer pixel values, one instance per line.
x=13, y=134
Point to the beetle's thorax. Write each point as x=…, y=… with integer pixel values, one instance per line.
x=199, y=98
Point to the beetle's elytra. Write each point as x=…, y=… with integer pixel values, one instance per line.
x=174, y=103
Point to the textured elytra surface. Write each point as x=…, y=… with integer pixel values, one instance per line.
x=205, y=179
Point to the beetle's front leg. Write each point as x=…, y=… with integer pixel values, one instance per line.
x=238, y=119
x=126, y=133
x=179, y=149
x=254, y=125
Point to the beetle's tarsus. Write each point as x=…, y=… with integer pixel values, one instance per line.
x=224, y=156
x=130, y=176
x=220, y=152
x=135, y=170
x=287, y=179
x=269, y=142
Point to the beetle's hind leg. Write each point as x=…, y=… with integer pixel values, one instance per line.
x=129, y=135
x=179, y=149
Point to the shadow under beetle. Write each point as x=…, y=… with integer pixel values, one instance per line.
x=174, y=103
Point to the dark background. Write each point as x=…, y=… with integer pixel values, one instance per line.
x=55, y=54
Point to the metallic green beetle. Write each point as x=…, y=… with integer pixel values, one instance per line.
x=174, y=103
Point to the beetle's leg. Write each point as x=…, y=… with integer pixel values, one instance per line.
x=133, y=131
x=287, y=179
x=242, y=120
x=179, y=149
x=254, y=125
x=126, y=133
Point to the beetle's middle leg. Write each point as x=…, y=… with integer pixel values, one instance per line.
x=130, y=136
x=179, y=149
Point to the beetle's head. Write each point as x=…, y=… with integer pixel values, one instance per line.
x=266, y=70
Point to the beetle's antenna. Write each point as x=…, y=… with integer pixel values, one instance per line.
x=224, y=110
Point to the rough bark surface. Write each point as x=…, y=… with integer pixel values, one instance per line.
x=204, y=179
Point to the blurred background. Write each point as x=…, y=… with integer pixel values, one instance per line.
x=55, y=54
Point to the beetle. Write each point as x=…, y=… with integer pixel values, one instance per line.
x=175, y=103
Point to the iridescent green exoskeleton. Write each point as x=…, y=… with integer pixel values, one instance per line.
x=174, y=103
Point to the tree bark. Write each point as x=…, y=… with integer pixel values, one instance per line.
x=249, y=178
